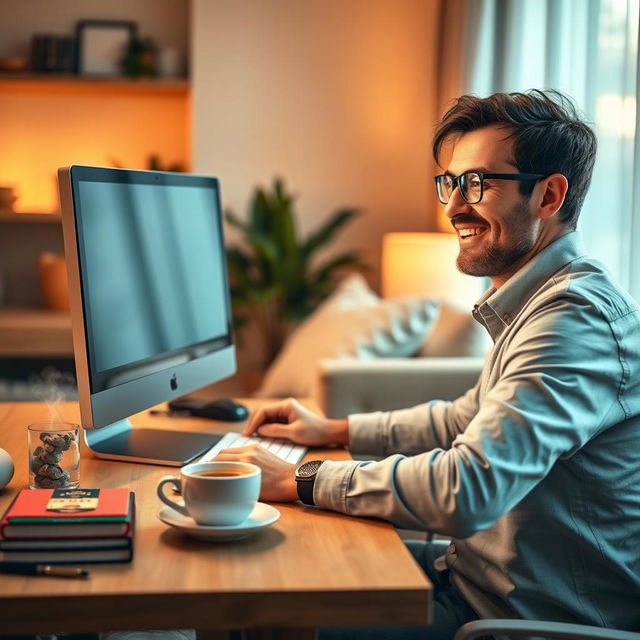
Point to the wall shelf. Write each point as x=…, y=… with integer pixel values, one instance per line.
x=75, y=83
x=49, y=120
x=34, y=332
x=30, y=218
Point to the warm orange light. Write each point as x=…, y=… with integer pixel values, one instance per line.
x=43, y=127
x=425, y=264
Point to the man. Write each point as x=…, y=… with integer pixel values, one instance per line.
x=535, y=472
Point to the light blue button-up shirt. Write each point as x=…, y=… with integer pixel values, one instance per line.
x=535, y=472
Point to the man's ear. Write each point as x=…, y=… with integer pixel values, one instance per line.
x=551, y=193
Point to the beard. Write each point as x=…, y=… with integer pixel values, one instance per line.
x=493, y=259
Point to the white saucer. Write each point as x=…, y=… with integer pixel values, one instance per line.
x=262, y=516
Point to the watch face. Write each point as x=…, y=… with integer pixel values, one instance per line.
x=308, y=468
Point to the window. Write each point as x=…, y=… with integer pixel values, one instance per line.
x=588, y=50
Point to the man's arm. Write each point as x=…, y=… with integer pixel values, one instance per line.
x=433, y=425
x=425, y=426
x=409, y=431
x=557, y=389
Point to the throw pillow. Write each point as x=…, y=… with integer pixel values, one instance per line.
x=353, y=323
x=455, y=334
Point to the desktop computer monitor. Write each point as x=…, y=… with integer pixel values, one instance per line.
x=149, y=301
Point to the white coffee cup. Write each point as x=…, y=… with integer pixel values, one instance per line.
x=215, y=493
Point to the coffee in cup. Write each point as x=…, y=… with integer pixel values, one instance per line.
x=223, y=473
x=215, y=493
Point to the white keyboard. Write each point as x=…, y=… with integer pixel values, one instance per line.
x=284, y=449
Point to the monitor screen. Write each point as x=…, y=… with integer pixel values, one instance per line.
x=152, y=279
x=148, y=287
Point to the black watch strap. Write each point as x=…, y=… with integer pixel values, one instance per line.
x=305, y=480
x=305, y=492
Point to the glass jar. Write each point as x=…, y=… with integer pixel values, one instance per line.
x=54, y=455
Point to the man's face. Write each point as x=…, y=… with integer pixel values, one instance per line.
x=498, y=234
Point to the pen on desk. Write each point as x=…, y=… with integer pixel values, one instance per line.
x=32, y=569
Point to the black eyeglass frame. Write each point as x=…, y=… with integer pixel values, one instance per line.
x=522, y=177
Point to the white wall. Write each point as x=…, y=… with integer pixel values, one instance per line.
x=336, y=96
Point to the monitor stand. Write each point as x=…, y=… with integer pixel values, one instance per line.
x=120, y=441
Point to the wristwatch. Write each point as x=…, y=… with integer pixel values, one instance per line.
x=305, y=479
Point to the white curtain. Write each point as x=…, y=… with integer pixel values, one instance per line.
x=587, y=49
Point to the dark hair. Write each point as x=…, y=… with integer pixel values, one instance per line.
x=550, y=137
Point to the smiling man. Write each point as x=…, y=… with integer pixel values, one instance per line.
x=504, y=216
x=533, y=474
x=492, y=218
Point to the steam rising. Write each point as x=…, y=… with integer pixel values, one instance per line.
x=52, y=387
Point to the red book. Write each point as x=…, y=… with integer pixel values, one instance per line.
x=69, y=513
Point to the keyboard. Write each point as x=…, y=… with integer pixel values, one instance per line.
x=284, y=449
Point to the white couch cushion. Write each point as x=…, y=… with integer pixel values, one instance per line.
x=455, y=334
x=352, y=323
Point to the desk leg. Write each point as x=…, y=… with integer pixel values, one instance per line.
x=280, y=634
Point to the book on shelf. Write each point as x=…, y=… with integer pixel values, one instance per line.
x=53, y=54
x=69, y=526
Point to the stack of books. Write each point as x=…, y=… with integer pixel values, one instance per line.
x=53, y=54
x=51, y=526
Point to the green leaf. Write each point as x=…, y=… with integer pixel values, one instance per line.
x=234, y=221
x=264, y=246
x=239, y=263
x=323, y=235
x=260, y=217
x=284, y=228
x=240, y=275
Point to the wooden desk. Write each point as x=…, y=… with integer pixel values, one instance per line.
x=312, y=568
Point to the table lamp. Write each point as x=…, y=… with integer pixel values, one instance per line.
x=425, y=264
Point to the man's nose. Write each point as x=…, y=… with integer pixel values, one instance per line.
x=457, y=204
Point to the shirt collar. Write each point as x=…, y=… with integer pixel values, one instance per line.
x=497, y=308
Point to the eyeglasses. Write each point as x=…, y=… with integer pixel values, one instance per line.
x=471, y=184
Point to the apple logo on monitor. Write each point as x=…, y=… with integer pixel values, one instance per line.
x=174, y=382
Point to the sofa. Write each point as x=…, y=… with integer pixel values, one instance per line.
x=358, y=352
x=357, y=386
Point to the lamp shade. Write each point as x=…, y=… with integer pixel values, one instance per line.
x=425, y=264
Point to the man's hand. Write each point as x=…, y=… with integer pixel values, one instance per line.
x=289, y=419
x=278, y=480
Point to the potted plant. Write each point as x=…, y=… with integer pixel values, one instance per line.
x=274, y=276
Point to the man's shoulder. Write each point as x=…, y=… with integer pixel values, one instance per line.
x=586, y=280
x=579, y=314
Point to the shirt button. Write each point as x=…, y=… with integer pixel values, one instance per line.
x=506, y=317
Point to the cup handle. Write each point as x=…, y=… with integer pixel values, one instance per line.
x=171, y=503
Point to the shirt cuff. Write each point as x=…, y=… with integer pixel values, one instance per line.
x=366, y=432
x=332, y=483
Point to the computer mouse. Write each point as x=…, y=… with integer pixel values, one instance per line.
x=224, y=409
